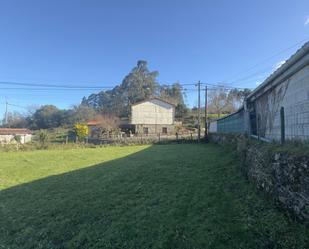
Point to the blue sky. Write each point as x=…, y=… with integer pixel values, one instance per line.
x=86, y=43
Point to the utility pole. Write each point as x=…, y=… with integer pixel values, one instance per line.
x=206, y=127
x=6, y=112
x=199, y=112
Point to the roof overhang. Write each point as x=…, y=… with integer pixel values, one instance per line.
x=294, y=64
x=153, y=98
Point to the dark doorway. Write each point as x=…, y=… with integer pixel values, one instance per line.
x=145, y=130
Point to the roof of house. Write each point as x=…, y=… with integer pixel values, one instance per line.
x=153, y=98
x=303, y=51
x=14, y=131
x=92, y=123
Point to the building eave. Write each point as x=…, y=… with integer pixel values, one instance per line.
x=269, y=82
x=227, y=116
x=153, y=98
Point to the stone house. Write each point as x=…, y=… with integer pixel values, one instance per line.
x=153, y=116
x=9, y=135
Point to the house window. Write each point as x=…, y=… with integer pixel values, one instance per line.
x=164, y=130
x=145, y=130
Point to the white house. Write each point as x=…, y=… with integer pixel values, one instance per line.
x=153, y=116
x=8, y=135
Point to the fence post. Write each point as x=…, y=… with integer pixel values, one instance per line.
x=258, y=126
x=282, y=125
x=159, y=137
x=177, y=136
x=247, y=118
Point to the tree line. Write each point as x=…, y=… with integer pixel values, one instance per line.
x=138, y=85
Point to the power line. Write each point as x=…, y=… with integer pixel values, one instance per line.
x=48, y=89
x=269, y=58
x=79, y=88
x=9, y=104
x=228, y=87
x=53, y=86
x=250, y=76
x=70, y=86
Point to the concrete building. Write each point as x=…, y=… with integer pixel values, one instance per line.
x=286, y=88
x=153, y=116
x=12, y=135
x=279, y=105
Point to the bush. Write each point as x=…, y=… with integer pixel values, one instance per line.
x=17, y=138
x=81, y=131
x=43, y=138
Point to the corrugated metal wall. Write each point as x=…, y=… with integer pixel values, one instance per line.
x=234, y=123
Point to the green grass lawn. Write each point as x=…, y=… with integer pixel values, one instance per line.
x=163, y=196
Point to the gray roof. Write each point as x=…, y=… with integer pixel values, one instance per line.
x=303, y=51
x=154, y=98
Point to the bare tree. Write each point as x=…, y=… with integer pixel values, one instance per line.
x=226, y=101
x=108, y=123
x=237, y=97
x=16, y=120
x=219, y=101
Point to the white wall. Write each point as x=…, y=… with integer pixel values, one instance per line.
x=152, y=112
x=26, y=138
x=294, y=98
x=5, y=139
x=213, y=127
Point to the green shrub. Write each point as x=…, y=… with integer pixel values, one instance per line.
x=43, y=138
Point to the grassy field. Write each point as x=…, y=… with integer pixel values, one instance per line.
x=163, y=196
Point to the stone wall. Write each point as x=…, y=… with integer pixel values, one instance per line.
x=278, y=171
x=155, y=128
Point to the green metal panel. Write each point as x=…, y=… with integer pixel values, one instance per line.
x=233, y=123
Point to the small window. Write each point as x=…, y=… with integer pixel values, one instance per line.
x=164, y=130
x=145, y=130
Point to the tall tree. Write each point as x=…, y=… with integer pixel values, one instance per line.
x=237, y=97
x=81, y=114
x=49, y=116
x=138, y=85
x=173, y=94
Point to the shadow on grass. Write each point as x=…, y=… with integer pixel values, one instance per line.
x=167, y=196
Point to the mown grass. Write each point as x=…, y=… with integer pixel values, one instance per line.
x=164, y=196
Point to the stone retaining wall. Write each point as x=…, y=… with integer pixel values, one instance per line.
x=282, y=174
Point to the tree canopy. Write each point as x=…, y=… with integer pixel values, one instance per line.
x=138, y=85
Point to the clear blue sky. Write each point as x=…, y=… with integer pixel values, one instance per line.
x=84, y=43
